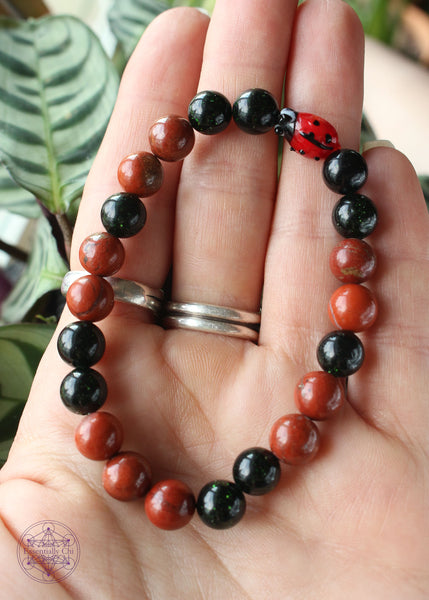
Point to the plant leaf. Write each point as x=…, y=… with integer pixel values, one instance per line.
x=16, y=199
x=57, y=90
x=43, y=273
x=129, y=18
x=21, y=348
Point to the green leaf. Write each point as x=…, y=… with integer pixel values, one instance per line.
x=57, y=91
x=21, y=348
x=129, y=18
x=15, y=198
x=43, y=274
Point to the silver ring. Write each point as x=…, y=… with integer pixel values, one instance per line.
x=211, y=326
x=125, y=290
x=213, y=311
x=212, y=318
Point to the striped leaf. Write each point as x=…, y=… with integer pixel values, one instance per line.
x=15, y=198
x=43, y=273
x=21, y=348
x=57, y=90
x=129, y=18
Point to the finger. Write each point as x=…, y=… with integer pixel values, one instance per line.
x=228, y=183
x=327, y=51
x=159, y=80
x=397, y=346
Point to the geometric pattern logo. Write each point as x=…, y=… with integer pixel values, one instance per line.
x=48, y=551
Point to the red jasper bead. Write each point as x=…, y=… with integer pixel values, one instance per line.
x=353, y=307
x=101, y=254
x=294, y=439
x=127, y=476
x=99, y=436
x=141, y=174
x=170, y=504
x=171, y=138
x=90, y=298
x=319, y=395
x=352, y=261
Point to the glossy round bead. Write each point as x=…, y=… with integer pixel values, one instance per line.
x=354, y=216
x=81, y=344
x=256, y=471
x=171, y=138
x=83, y=391
x=345, y=171
x=123, y=215
x=319, y=395
x=294, y=439
x=141, y=173
x=221, y=504
x=209, y=112
x=352, y=261
x=90, y=298
x=127, y=476
x=353, y=307
x=99, y=436
x=255, y=111
x=170, y=504
x=101, y=254
x=340, y=353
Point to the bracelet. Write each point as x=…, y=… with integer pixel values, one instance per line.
x=294, y=438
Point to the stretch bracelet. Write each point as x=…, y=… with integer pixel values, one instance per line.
x=294, y=438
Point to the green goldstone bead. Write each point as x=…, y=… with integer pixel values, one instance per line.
x=81, y=344
x=255, y=111
x=83, y=391
x=221, y=504
x=123, y=215
x=209, y=112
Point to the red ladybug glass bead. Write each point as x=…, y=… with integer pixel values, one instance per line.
x=294, y=439
x=101, y=254
x=307, y=134
x=90, y=298
x=171, y=138
x=127, y=476
x=141, y=174
x=170, y=504
x=353, y=307
x=319, y=395
x=99, y=436
x=352, y=261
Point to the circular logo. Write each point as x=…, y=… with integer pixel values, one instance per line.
x=48, y=551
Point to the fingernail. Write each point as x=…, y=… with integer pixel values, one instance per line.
x=377, y=144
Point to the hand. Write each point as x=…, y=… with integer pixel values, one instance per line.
x=353, y=523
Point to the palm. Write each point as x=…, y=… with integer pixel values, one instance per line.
x=352, y=520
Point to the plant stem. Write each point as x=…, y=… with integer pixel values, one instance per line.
x=67, y=232
x=14, y=252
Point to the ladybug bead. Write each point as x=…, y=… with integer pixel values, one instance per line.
x=307, y=134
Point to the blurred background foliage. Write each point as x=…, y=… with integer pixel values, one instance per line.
x=57, y=90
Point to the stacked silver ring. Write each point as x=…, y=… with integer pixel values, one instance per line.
x=212, y=318
x=196, y=316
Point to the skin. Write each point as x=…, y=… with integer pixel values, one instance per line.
x=353, y=523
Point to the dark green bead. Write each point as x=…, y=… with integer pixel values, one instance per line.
x=340, y=353
x=354, y=216
x=256, y=471
x=81, y=344
x=209, y=112
x=345, y=171
x=83, y=391
x=221, y=504
x=123, y=215
x=255, y=111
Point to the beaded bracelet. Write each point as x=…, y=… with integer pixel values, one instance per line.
x=294, y=438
